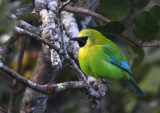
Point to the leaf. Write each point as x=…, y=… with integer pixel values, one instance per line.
x=155, y=11
x=114, y=9
x=26, y=1
x=145, y=26
x=7, y=28
x=29, y=17
x=5, y=9
x=138, y=55
x=110, y=30
x=139, y=4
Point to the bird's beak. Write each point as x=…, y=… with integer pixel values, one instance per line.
x=81, y=41
x=75, y=39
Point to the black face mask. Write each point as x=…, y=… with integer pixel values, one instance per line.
x=81, y=41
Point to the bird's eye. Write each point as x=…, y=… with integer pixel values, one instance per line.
x=83, y=41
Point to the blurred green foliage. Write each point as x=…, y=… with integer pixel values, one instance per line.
x=137, y=54
x=6, y=24
x=145, y=26
x=111, y=29
x=139, y=4
x=114, y=9
x=145, y=62
x=29, y=17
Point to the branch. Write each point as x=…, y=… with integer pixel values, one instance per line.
x=64, y=4
x=55, y=88
x=46, y=89
x=6, y=46
x=98, y=16
x=57, y=49
x=140, y=44
x=67, y=57
x=24, y=25
x=86, y=12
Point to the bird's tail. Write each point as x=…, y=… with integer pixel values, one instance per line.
x=135, y=88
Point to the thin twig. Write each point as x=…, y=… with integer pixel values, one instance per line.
x=21, y=54
x=64, y=4
x=86, y=12
x=60, y=26
x=6, y=46
x=14, y=95
x=35, y=111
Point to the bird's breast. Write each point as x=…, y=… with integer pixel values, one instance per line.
x=88, y=58
x=83, y=57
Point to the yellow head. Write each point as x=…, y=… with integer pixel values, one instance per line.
x=89, y=37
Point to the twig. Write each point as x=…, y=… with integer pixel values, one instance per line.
x=60, y=27
x=86, y=12
x=24, y=25
x=66, y=56
x=64, y=4
x=38, y=38
x=6, y=46
x=14, y=92
x=46, y=89
x=140, y=44
x=35, y=111
x=21, y=54
x=98, y=16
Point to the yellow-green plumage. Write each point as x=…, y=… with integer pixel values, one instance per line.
x=100, y=57
x=93, y=61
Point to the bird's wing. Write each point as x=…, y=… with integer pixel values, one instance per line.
x=116, y=57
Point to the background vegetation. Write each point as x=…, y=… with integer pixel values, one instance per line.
x=139, y=19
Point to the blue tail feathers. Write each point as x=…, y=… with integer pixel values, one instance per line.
x=135, y=88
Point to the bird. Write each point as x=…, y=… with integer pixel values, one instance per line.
x=99, y=57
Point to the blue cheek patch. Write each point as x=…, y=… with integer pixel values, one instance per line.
x=123, y=64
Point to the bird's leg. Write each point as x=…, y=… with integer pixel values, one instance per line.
x=100, y=80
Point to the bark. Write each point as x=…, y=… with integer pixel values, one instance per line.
x=49, y=62
x=42, y=74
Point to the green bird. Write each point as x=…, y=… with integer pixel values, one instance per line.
x=100, y=57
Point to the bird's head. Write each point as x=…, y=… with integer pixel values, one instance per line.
x=88, y=37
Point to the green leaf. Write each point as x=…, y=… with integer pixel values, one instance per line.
x=5, y=9
x=114, y=9
x=138, y=55
x=110, y=30
x=139, y=4
x=7, y=28
x=26, y=1
x=145, y=26
x=155, y=11
x=29, y=17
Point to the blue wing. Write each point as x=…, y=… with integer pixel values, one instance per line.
x=116, y=57
x=123, y=64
